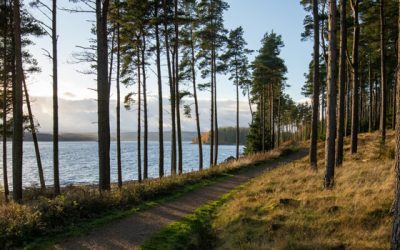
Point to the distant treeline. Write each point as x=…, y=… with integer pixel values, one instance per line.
x=226, y=136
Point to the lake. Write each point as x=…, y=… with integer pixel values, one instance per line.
x=79, y=161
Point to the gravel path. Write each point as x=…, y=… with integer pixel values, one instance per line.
x=130, y=232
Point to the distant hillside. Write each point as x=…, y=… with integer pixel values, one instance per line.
x=126, y=136
x=226, y=136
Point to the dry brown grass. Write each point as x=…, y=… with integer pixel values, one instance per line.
x=288, y=208
x=43, y=215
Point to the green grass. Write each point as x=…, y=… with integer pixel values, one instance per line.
x=42, y=220
x=117, y=214
x=192, y=232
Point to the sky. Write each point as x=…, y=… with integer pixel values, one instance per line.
x=77, y=98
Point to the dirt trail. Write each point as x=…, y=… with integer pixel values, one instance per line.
x=130, y=232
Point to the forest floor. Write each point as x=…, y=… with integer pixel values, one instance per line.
x=288, y=208
x=131, y=232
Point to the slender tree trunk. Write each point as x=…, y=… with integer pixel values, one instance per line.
x=342, y=83
x=146, y=124
x=118, y=111
x=212, y=114
x=34, y=137
x=139, y=128
x=315, y=101
x=103, y=94
x=383, y=73
x=249, y=101
x=160, y=99
x=172, y=91
x=216, y=134
x=262, y=117
x=196, y=103
x=54, y=39
x=272, y=116
x=395, y=237
x=331, y=101
x=371, y=86
x=18, y=133
x=237, y=110
x=394, y=102
x=355, y=80
x=278, y=123
x=177, y=93
x=5, y=95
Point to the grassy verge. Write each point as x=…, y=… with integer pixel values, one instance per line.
x=192, y=232
x=83, y=208
x=288, y=208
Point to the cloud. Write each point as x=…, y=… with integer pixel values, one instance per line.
x=69, y=94
x=80, y=116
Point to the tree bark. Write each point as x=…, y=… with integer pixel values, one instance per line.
x=34, y=137
x=237, y=109
x=103, y=95
x=172, y=91
x=331, y=99
x=216, y=134
x=315, y=101
x=54, y=39
x=383, y=73
x=211, y=137
x=160, y=98
x=196, y=103
x=18, y=132
x=146, y=124
x=355, y=80
x=139, y=131
x=118, y=111
x=395, y=237
x=371, y=87
x=5, y=95
x=177, y=93
x=342, y=83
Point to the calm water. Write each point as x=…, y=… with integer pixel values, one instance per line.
x=78, y=161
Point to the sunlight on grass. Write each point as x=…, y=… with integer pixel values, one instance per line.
x=288, y=208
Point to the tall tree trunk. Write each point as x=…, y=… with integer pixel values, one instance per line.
x=177, y=93
x=103, y=94
x=146, y=124
x=139, y=128
x=355, y=80
x=54, y=39
x=34, y=137
x=278, y=123
x=395, y=237
x=315, y=101
x=18, y=133
x=249, y=101
x=196, y=103
x=211, y=136
x=371, y=87
x=160, y=98
x=118, y=111
x=272, y=116
x=216, y=134
x=383, y=73
x=5, y=95
x=237, y=110
x=394, y=102
x=172, y=91
x=262, y=117
x=331, y=101
x=342, y=83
